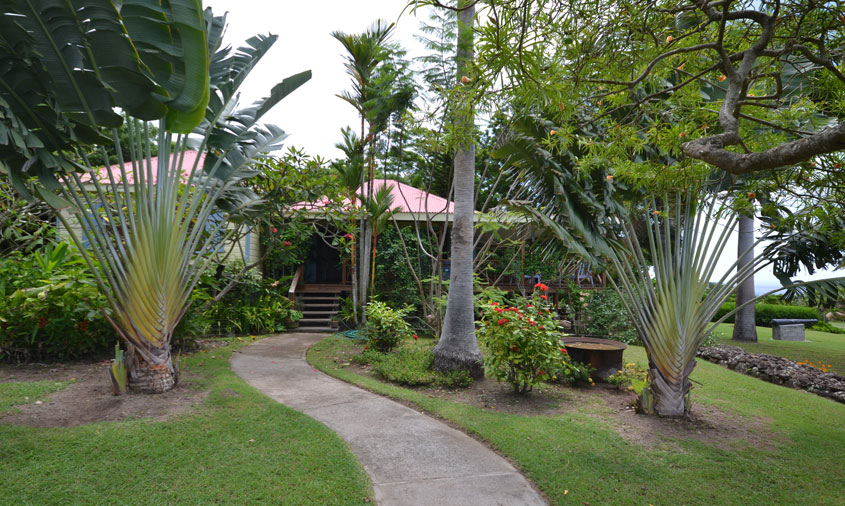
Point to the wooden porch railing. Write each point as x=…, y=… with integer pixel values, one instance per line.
x=297, y=277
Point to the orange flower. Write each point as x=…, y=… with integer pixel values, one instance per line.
x=722, y=77
x=669, y=39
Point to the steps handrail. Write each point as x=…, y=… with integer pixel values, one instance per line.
x=295, y=281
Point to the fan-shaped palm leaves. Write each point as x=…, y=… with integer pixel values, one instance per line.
x=672, y=308
x=146, y=223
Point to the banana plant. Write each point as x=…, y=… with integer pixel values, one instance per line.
x=145, y=223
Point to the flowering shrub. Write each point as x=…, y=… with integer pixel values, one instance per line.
x=386, y=326
x=633, y=377
x=522, y=341
x=821, y=366
x=50, y=308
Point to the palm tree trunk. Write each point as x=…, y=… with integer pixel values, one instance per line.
x=745, y=320
x=670, y=397
x=458, y=347
x=147, y=377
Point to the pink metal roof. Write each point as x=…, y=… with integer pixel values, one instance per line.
x=187, y=164
x=406, y=199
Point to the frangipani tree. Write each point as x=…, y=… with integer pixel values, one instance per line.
x=70, y=69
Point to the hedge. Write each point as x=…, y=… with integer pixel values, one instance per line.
x=767, y=312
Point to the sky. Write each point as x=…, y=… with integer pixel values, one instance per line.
x=313, y=115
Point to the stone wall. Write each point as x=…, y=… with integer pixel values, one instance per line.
x=777, y=370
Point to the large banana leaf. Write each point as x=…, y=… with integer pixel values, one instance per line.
x=67, y=69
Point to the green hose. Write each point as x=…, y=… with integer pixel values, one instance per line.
x=355, y=334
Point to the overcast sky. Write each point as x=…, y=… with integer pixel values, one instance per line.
x=313, y=115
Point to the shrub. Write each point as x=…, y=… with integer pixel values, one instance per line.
x=827, y=327
x=631, y=376
x=411, y=366
x=253, y=306
x=50, y=307
x=522, y=341
x=386, y=326
x=607, y=317
x=767, y=312
x=570, y=371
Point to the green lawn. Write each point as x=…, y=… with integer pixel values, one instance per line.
x=819, y=346
x=14, y=394
x=578, y=458
x=239, y=447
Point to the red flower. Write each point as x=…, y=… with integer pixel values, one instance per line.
x=498, y=309
x=494, y=303
x=532, y=322
x=83, y=325
x=530, y=305
x=542, y=287
x=541, y=372
x=274, y=229
x=415, y=337
x=349, y=236
x=514, y=348
x=503, y=321
x=286, y=243
x=544, y=297
x=367, y=347
x=42, y=322
x=563, y=350
x=541, y=327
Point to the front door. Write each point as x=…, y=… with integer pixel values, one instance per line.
x=323, y=265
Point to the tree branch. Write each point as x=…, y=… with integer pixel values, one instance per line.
x=712, y=150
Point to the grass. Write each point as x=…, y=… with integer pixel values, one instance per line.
x=238, y=447
x=410, y=365
x=819, y=346
x=15, y=394
x=578, y=457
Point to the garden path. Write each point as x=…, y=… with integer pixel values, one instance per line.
x=411, y=458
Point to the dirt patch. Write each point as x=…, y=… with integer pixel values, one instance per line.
x=706, y=424
x=89, y=398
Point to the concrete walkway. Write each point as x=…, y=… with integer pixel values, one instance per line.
x=412, y=459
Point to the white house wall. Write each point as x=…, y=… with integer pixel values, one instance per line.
x=248, y=246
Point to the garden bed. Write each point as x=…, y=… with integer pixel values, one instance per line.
x=740, y=431
x=87, y=397
x=605, y=403
x=777, y=370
